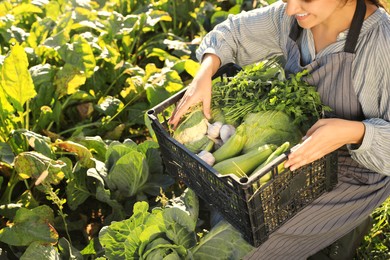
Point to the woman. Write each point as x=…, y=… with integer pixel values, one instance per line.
x=344, y=44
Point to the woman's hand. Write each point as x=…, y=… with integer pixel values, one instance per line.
x=324, y=137
x=198, y=91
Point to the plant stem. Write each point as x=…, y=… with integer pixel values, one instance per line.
x=59, y=203
x=77, y=127
x=27, y=120
x=7, y=195
x=113, y=83
x=126, y=105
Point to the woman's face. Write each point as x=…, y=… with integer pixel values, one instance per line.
x=310, y=13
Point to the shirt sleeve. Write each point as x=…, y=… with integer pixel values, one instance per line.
x=374, y=96
x=247, y=37
x=374, y=152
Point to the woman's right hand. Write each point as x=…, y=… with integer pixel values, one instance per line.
x=198, y=91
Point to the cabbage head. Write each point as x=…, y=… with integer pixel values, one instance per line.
x=270, y=127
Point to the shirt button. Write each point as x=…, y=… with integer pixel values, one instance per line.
x=342, y=35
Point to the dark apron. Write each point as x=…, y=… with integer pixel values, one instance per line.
x=359, y=190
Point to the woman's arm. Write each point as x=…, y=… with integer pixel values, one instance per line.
x=244, y=39
x=248, y=37
x=199, y=90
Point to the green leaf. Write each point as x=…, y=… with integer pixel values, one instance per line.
x=191, y=67
x=84, y=155
x=24, y=8
x=222, y=242
x=9, y=210
x=34, y=165
x=5, y=106
x=161, y=83
x=39, y=31
x=95, y=144
x=43, y=78
x=79, y=54
x=155, y=16
x=38, y=250
x=45, y=118
x=109, y=105
x=16, y=79
x=116, y=150
x=153, y=157
x=112, y=237
x=90, y=248
x=161, y=248
x=40, y=143
x=76, y=189
x=27, y=200
x=104, y=195
x=218, y=17
x=156, y=183
x=53, y=10
x=151, y=230
x=6, y=154
x=187, y=202
x=129, y=174
x=68, y=251
x=68, y=80
x=29, y=226
x=5, y=7
x=180, y=227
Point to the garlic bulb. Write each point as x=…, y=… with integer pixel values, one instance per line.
x=207, y=157
x=213, y=129
x=226, y=131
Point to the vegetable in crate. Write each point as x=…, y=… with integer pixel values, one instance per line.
x=192, y=131
x=269, y=127
x=279, y=151
x=233, y=146
x=243, y=165
x=207, y=157
x=264, y=86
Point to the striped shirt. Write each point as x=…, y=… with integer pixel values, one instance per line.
x=258, y=34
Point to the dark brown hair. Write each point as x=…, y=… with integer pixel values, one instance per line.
x=379, y=3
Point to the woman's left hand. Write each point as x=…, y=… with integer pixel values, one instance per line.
x=324, y=137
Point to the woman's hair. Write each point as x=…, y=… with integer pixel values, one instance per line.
x=379, y=3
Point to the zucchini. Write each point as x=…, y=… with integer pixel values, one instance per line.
x=280, y=150
x=244, y=164
x=233, y=145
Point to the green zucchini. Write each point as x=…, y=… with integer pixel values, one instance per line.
x=280, y=150
x=233, y=145
x=244, y=164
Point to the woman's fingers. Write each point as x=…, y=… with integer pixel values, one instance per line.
x=199, y=91
x=182, y=106
x=326, y=136
x=207, y=106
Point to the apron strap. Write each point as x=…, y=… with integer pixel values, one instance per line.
x=295, y=31
x=357, y=23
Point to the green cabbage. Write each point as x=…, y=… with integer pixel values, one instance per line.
x=270, y=127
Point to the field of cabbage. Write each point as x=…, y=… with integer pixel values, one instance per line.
x=80, y=173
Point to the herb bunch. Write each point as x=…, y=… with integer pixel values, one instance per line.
x=264, y=86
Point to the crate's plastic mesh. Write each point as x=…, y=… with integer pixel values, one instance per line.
x=255, y=210
x=219, y=193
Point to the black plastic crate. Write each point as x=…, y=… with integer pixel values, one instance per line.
x=253, y=210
